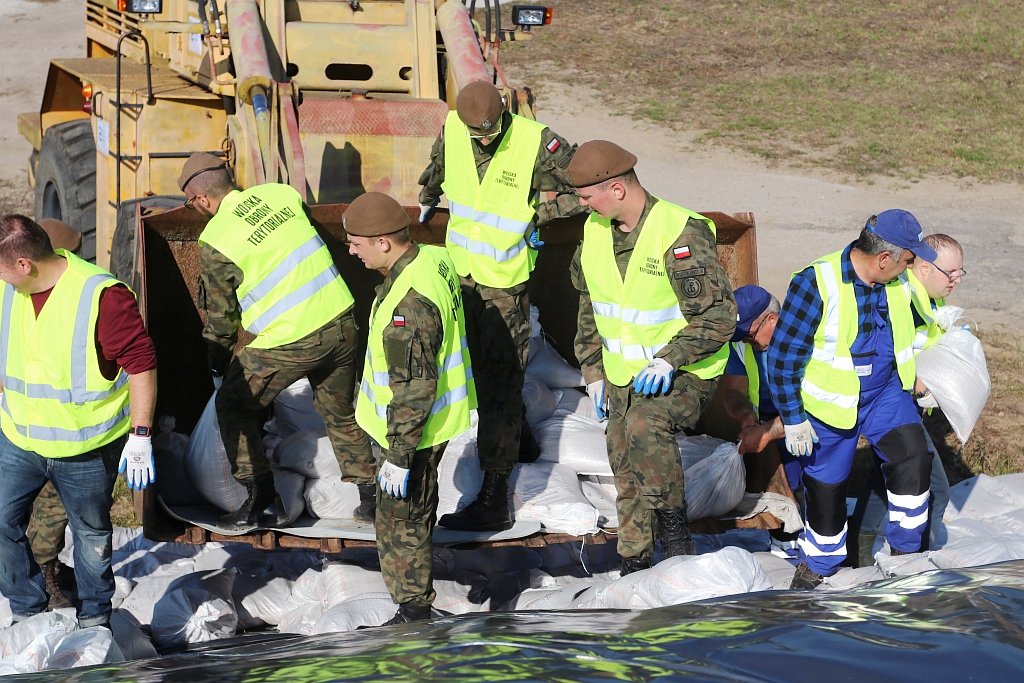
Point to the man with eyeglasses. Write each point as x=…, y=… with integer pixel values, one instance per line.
x=492, y=166
x=264, y=268
x=841, y=366
x=655, y=317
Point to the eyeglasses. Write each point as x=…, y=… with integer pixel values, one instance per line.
x=957, y=274
x=474, y=135
x=191, y=200
x=752, y=334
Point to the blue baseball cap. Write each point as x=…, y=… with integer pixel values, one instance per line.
x=900, y=228
x=751, y=302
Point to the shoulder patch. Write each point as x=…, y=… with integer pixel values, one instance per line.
x=689, y=272
x=681, y=252
x=553, y=146
x=398, y=320
x=692, y=287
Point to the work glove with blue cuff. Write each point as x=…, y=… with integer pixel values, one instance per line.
x=393, y=480
x=136, y=462
x=800, y=438
x=655, y=379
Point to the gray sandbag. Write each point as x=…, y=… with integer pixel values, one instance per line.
x=207, y=466
x=196, y=608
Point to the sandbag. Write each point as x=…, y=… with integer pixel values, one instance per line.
x=291, y=487
x=538, y=400
x=370, y=610
x=26, y=645
x=84, y=647
x=169, y=451
x=955, y=370
x=331, y=498
x=715, y=485
x=196, y=608
x=308, y=453
x=335, y=583
x=551, y=494
x=294, y=410
x=459, y=476
x=207, y=466
x=548, y=365
x=573, y=437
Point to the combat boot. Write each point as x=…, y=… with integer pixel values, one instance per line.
x=634, y=564
x=408, y=613
x=674, y=532
x=804, y=579
x=57, y=598
x=367, y=510
x=275, y=514
x=259, y=494
x=489, y=512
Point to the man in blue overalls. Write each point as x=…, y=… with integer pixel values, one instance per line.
x=841, y=366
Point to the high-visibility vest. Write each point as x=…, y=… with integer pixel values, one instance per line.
x=56, y=401
x=489, y=218
x=637, y=316
x=746, y=352
x=831, y=388
x=290, y=286
x=432, y=275
x=928, y=332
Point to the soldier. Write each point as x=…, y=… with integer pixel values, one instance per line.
x=656, y=311
x=491, y=164
x=416, y=392
x=264, y=268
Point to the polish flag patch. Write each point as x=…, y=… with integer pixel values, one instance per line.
x=552, y=146
x=398, y=320
x=681, y=252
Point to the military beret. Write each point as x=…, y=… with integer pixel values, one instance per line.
x=374, y=214
x=597, y=161
x=199, y=162
x=479, y=105
x=62, y=235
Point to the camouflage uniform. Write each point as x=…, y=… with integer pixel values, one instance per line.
x=254, y=377
x=47, y=524
x=498, y=319
x=405, y=526
x=642, y=446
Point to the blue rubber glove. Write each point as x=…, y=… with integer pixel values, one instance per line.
x=655, y=379
x=800, y=439
x=534, y=239
x=596, y=392
x=393, y=480
x=136, y=462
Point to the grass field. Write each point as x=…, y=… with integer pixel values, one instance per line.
x=907, y=88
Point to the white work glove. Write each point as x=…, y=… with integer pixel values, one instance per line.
x=655, y=379
x=596, y=392
x=426, y=210
x=800, y=438
x=137, y=462
x=393, y=480
x=927, y=400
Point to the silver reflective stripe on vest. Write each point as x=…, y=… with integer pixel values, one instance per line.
x=483, y=248
x=636, y=316
x=630, y=351
x=510, y=225
x=827, y=353
x=68, y=396
x=41, y=433
x=367, y=390
x=5, y=326
x=294, y=299
x=825, y=396
x=449, y=397
x=283, y=269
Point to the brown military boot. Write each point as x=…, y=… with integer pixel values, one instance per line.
x=367, y=509
x=57, y=598
x=489, y=512
x=674, y=532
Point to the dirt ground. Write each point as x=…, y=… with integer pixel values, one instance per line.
x=799, y=214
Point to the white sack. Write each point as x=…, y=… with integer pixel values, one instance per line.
x=27, y=645
x=370, y=610
x=955, y=370
x=292, y=488
x=336, y=583
x=549, y=366
x=716, y=484
x=551, y=494
x=294, y=410
x=302, y=619
x=263, y=597
x=84, y=647
x=331, y=498
x=459, y=476
x=573, y=437
x=538, y=400
x=207, y=466
x=169, y=452
x=196, y=608
x=308, y=453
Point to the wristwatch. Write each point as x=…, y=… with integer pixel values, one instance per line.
x=922, y=394
x=140, y=431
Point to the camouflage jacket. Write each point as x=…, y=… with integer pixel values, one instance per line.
x=710, y=308
x=219, y=279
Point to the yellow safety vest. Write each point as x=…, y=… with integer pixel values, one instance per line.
x=489, y=218
x=56, y=402
x=746, y=352
x=929, y=332
x=290, y=286
x=831, y=388
x=432, y=275
x=637, y=316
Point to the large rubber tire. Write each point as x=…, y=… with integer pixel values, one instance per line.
x=66, y=180
x=122, y=250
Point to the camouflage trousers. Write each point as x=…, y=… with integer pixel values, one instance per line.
x=47, y=524
x=644, y=454
x=405, y=532
x=498, y=334
x=255, y=377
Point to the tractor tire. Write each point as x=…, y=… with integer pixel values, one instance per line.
x=66, y=180
x=122, y=250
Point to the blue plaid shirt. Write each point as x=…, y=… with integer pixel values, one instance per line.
x=793, y=339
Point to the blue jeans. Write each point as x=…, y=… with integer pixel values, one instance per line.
x=85, y=484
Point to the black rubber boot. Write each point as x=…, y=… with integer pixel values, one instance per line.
x=407, y=613
x=529, y=449
x=674, y=532
x=367, y=510
x=260, y=494
x=634, y=564
x=274, y=515
x=804, y=579
x=489, y=512
x=57, y=598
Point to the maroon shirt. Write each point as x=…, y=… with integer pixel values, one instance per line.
x=121, y=337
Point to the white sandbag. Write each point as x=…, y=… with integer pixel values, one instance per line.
x=459, y=476
x=955, y=370
x=196, y=608
x=550, y=493
x=302, y=619
x=5, y=612
x=550, y=598
x=847, y=577
x=143, y=598
x=291, y=486
x=123, y=586
x=331, y=498
x=600, y=491
x=548, y=365
x=538, y=400
x=335, y=583
x=680, y=579
x=462, y=593
x=264, y=598
x=207, y=466
x=308, y=453
x=985, y=497
x=27, y=644
x=130, y=640
x=294, y=410
x=975, y=551
x=716, y=484
x=573, y=441
x=170, y=449
x=84, y=647
x=370, y=610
